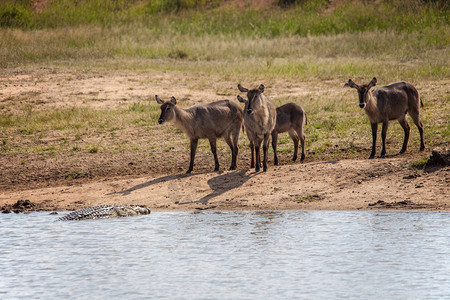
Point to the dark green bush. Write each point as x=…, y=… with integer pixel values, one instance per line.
x=286, y=3
x=14, y=15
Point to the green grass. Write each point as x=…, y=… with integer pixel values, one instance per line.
x=185, y=30
x=32, y=129
x=77, y=118
x=193, y=17
x=75, y=174
x=419, y=164
x=391, y=54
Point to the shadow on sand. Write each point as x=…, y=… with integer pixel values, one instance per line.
x=219, y=184
x=224, y=183
x=324, y=162
x=152, y=182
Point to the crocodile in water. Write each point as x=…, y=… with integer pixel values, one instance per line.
x=106, y=211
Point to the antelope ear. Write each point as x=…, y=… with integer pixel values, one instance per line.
x=261, y=88
x=158, y=100
x=351, y=84
x=242, y=89
x=173, y=100
x=242, y=100
x=373, y=82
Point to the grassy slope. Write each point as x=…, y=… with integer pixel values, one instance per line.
x=311, y=42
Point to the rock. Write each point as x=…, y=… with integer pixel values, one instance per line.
x=411, y=176
x=379, y=202
x=23, y=205
x=397, y=205
x=439, y=157
x=19, y=207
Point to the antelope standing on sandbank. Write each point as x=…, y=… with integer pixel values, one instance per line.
x=260, y=118
x=390, y=102
x=290, y=118
x=222, y=118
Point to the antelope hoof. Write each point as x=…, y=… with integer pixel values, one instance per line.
x=265, y=169
x=232, y=168
x=275, y=163
x=371, y=156
x=257, y=169
x=294, y=158
x=189, y=171
x=302, y=158
x=382, y=156
x=422, y=148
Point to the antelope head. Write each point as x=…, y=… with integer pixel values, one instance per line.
x=167, y=109
x=363, y=90
x=254, y=98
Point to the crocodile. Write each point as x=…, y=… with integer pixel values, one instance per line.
x=105, y=212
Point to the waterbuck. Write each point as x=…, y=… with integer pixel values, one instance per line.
x=210, y=121
x=260, y=118
x=290, y=117
x=390, y=102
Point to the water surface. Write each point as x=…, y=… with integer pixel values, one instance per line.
x=227, y=255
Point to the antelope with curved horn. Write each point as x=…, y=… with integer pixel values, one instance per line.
x=390, y=102
x=222, y=118
x=260, y=118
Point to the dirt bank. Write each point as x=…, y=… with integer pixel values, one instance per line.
x=330, y=185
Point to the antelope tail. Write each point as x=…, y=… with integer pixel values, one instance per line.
x=306, y=119
x=421, y=103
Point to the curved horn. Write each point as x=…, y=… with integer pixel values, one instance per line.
x=242, y=89
x=351, y=84
x=372, y=83
x=158, y=100
x=240, y=99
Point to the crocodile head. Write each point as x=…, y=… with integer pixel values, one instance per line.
x=131, y=210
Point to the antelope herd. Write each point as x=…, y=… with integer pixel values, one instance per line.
x=260, y=119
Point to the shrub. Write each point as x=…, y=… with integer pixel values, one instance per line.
x=14, y=15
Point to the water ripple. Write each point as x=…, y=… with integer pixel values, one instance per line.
x=227, y=255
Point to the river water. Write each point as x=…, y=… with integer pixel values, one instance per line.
x=227, y=255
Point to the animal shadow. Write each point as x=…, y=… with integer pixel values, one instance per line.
x=152, y=182
x=224, y=183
